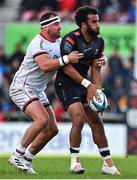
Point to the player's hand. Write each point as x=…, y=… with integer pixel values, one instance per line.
x=74, y=56
x=101, y=61
x=91, y=91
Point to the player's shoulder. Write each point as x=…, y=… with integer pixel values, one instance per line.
x=100, y=38
x=72, y=36
x=75, y=33
x=36, y=40
x=99, y=41
x=58, y=40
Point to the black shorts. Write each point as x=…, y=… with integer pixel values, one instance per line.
x=70, y=93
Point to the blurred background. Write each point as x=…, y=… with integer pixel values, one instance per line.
x=19, y=24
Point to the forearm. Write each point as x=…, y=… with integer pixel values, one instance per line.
x=96, y=75
x=50, y=65
x=91, y=88
x=73, y=74
x=47, y=64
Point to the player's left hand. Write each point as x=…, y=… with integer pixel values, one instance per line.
x=101, y=61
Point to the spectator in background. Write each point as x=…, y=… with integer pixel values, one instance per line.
x=115, y=64
x=14, y=66
x=59, y=111
x=133, y=94
x=4, y=81
x=45, y=6
x=132, y=11
x=119, y=95
x=3, y=57
x=14, y=61
x=116, y=11
x=2, y=2
x=50, y=91
x=18, y=54
x=123, y=5
x=27, y=9
x=66, y=9
x=31, y=10
x=2, y=117
x=131, y=58
x=97, y=4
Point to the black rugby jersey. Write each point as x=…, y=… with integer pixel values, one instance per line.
x=74, y=41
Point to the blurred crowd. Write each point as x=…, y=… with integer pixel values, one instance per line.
x=111, y=11
x=117, y=75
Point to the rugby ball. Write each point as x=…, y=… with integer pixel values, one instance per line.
x=99, y=102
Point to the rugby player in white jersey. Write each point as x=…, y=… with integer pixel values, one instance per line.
x=40, y=63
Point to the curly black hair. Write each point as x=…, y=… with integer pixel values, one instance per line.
x=82, y=13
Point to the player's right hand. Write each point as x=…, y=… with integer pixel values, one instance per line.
x=74, y=56
x=91, y=91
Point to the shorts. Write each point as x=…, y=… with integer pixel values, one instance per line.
x=22, y=97
x=70, y=93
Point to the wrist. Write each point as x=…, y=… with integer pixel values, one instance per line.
x=63, y=60
x=85, y=83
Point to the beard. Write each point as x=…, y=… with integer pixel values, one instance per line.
x=92, y=32
x=54, y=35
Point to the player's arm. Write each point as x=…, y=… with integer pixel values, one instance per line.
x=96, y=73
x=76, y=76
x=46, y=64
x=97, y=64
x=102, y=59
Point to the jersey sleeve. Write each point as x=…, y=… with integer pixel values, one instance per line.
x=67, y=44
x=101, y=47
x=103, y=44
x=35, y=48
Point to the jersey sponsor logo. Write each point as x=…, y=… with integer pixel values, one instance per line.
x=85, y=50
x=75, y=97
x=68, y=47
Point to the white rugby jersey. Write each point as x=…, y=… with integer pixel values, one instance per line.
x=29, y=73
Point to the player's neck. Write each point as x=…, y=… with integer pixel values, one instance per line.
x=47, y=37
x=86, y=36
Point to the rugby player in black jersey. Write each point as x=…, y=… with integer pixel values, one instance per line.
x=74, y=90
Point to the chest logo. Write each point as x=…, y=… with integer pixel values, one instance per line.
x=96, y=51
x=85, y=50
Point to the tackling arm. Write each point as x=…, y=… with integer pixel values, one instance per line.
x=46, y=64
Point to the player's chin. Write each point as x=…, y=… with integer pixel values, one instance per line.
x=58, y=35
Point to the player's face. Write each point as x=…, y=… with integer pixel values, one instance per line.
x=93, y=25
x=54, y=29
